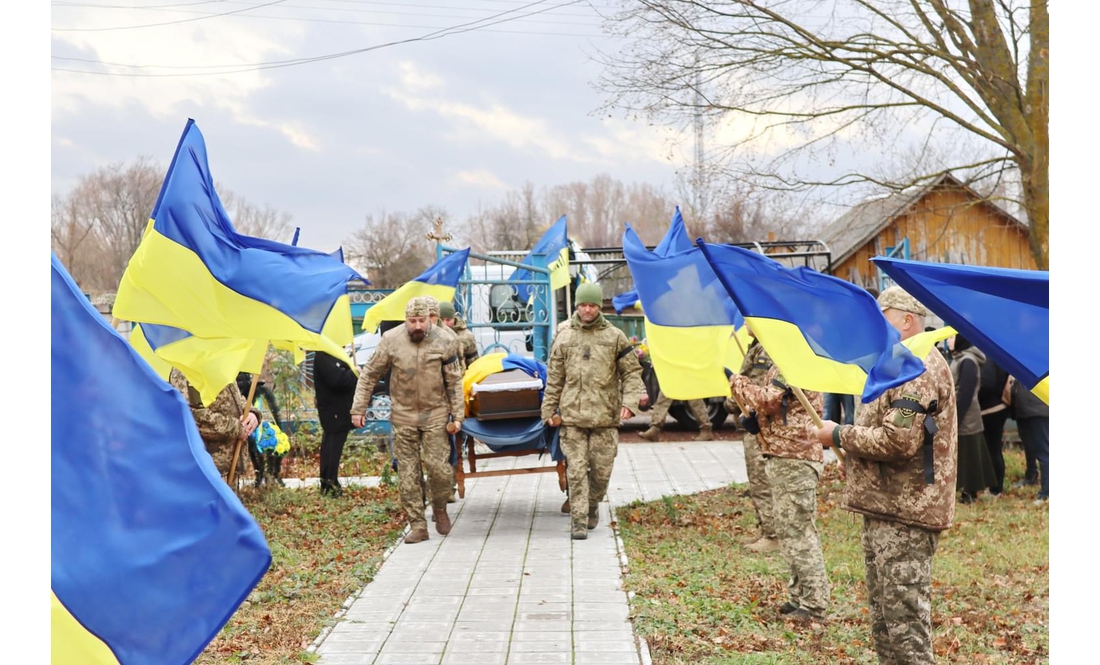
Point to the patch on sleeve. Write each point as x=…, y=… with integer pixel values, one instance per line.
x=904, y=416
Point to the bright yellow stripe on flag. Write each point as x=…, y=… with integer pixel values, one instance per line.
x=70, y=642
x=921, y=343
x=392, y=307
x=479, y=369
x=185, y=296
x=1042, y=389
x=800, y=365
x=735, y=353
x=690, y=361
x=559, y=270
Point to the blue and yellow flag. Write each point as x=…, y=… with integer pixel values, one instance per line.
x=822, y=333
x=194, y=272
x=439, y=281
x=626, y=299
x=1002, y=311
x=554, y=243
x=151, y=552
x=493, y=363
x=689, y=318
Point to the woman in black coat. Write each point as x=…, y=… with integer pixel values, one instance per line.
x=334, y=385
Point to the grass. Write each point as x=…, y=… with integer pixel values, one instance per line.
x=323, y=551
x=701, y=597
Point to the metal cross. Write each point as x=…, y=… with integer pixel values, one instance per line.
x=437, y=235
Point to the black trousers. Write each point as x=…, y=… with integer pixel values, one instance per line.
x=994, y=424
x=332, y=447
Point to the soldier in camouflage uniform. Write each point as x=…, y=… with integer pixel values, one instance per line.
x=591, y=377
x=660, y=411
x=900, y=466
x=467, y=345
x=755, y=366
x=222, y=424
x=793, y=463
x=425, y=389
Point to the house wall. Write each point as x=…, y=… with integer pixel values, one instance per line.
x=946, y=226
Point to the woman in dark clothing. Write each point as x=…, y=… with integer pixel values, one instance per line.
x=1033, y=419
x=334, y=382
x=994, y=414
x=975, y=467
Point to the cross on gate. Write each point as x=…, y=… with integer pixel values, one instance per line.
x=437, y=235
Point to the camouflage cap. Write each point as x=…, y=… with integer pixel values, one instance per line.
x=898, y=298
x=416, y=307
x=432, y=303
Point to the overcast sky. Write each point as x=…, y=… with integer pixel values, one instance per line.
x=452, y=121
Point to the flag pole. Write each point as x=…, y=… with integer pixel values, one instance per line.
x=744, y=411
x=813, y=414
x=232, y=479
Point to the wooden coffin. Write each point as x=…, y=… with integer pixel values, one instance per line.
x=509, y=394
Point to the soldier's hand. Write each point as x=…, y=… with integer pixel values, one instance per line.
x=554, y=421
x=824, y=434
x=625, y=414
x=249, y=424
x=643, y=402
x=454, y=426
x=358, y=420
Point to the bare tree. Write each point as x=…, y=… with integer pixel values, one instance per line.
x=392, y=248
x=813, y=80
x=252, y=220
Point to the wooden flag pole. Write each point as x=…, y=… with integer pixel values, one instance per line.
x=744, y=411
x=813, y=414
x=232, y=479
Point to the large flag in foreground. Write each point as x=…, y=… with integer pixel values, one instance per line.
x=822, y=333
x=151, y=552
x=194, y=272
x=554, y=243
x=689, y=318
x=1002, y=311
x=439, y=281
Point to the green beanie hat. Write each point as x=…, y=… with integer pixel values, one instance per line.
x=446, y=310
x=591, y=293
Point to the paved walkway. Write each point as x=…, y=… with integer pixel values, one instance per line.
x=508, y=585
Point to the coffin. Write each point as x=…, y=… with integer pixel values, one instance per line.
x=509, y=394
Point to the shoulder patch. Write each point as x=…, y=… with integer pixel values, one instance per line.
x=904, y=416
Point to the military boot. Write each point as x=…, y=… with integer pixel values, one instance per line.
x=579, y=531
x=593, y=517
x=652, y=434
x=565, y=506
x=416, y=536
x=705, y=434
x=442, y=520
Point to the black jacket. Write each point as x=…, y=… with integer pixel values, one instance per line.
x=334, y=383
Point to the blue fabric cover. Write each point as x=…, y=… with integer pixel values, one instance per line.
x=516, y=434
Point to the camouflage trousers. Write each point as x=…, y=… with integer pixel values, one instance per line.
x=759, y=490
x=794, y=500
x=660, y=411
x=419, y=450
x=899, y=589
x=590, y=456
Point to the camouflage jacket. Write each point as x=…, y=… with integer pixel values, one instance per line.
x=220, y=423
x=426, y=381
x=467, y=345
x=754, y=365
x=885, y=453
x=786, y=428
x=593, y=372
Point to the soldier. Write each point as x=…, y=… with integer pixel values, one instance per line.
x=425, y=388
x=660, y=410
x=793, y=463
x=467, y=345
x=900, y=466
x=755, y=366
x=591, y=377
x=436, y=321
x=222, y=424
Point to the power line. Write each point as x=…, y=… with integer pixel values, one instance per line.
x=154, y=25
x=278, y=64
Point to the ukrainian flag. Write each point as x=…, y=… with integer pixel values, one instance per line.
x=626, y=299
x=209, y=364
x=439, y=281
x=1002, y=311
x=194, y=272
x=689, y=319
x=823, y=333
x=151, y=552
x=493, y=363
x=554, y=243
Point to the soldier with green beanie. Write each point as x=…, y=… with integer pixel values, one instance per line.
x=592, y=376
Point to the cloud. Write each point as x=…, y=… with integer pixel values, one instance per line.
x=482, y=178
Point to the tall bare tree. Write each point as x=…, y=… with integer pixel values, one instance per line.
x=251, y=219
x=392, y=248
x=798, y=79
